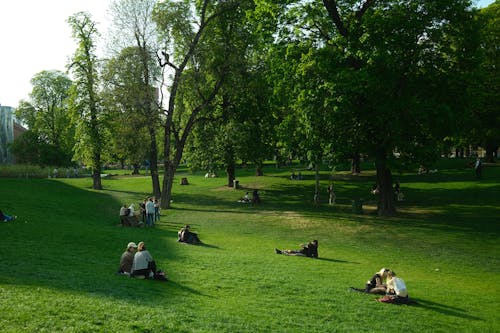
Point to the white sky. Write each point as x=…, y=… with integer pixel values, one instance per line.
x=34, y=36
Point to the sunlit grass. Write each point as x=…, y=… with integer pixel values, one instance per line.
x=60, y=256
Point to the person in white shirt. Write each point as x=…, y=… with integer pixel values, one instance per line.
x=150, y=213
x=396, y=290
x=143, y=261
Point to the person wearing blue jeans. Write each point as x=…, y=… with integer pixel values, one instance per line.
x=5, y=217
x=150, y=213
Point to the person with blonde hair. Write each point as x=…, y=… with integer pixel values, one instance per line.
x=396, y=290
x=143, y=265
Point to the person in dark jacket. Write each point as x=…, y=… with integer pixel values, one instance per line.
x=307, y=250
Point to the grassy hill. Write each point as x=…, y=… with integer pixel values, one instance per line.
x=59, y=257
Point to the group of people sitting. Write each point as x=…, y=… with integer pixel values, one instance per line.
x=255, y=199
x=5, y=218
x=137, y=262
x=385, y=282
x=148, y=214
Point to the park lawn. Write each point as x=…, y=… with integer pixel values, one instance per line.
x=60, y=255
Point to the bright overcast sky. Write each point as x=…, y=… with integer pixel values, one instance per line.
x=35, y=37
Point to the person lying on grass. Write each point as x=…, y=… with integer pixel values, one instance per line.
x=376, y=284
x=186, y=236
x=144, y=267
x=307, y=250
x=396, y=290
x=127, y=259
x=6, y=218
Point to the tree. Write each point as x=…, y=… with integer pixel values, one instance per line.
x=391, y=78
x=182, y=37
x=85, y=100
x=134, y=26
x=123, y=97
x=484, y=124
x=48, y=120
x=240, y=126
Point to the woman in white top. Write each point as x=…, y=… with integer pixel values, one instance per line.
x=396, y=290
x=143, y=265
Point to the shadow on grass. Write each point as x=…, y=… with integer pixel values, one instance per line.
x=338, y=261
x=442, y=308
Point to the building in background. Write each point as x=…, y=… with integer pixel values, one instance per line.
x=10, y=130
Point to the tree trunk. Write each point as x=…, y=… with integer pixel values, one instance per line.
x=385, y=205
x=316, y=183
x=168, y=179
x=153, y=158
x=258, y=169
x=231, y=173
x=356, y=163
x=490, y=153
x=96, y=177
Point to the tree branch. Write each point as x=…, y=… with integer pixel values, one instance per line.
x=332, y=8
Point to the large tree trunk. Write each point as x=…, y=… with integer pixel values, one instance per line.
x=168, y=179
x=96, y=174
x=153, y=158
x=316, y=183
x=230, y=165
x=258, y=169
x=356, y=163
x=490, y=153
x=231, y=174
x=385, y=205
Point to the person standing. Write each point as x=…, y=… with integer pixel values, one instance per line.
x=478, y=168
x=150, y=212
x=157, y=210
x=331, y=195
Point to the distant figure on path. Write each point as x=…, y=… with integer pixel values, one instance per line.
x=478, y=168
x=331, y=195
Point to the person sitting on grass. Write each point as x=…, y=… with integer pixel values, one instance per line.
x=376, y=284
x=396, y=290
x=245, y=199
x=186, y=236
x=308, y=250
x=127, y=259
x=5, y=218
x=144, y=267
x=142, y=264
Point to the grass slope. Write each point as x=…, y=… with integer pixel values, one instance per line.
x=58, y=259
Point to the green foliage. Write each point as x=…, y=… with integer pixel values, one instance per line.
x=443, y=245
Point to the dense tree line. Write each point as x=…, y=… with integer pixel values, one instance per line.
x=210, y=83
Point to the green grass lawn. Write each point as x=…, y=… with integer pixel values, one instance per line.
x=59, y=257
